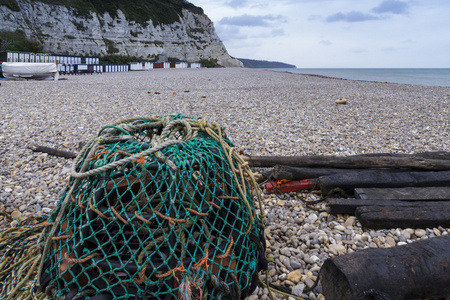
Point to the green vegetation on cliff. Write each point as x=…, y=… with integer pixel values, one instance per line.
x=17, y=41
x=140, y=11
x=11, y=4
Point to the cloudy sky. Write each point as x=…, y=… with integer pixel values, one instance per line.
x=335, y=33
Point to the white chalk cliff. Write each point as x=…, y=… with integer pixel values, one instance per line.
x=60, y=30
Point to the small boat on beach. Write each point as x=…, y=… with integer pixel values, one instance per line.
x=42, y=71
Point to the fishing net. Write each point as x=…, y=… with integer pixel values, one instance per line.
x=156, y=208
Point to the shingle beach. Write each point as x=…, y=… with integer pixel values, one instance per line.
x=263, y=113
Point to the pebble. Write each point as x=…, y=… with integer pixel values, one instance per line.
x=261, y=115
x=420, y=232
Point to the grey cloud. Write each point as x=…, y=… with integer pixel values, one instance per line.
x=353, y=16
x=314, y=17
x=277, y=32
x=360, y=51
x=252, y=21
x=392, y=6
x=236, y=3
x=326, y=43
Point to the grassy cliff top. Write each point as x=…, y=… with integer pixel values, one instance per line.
x=140, y=11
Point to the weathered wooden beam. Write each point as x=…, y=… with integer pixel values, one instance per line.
x=419, y=270
x=351, y=162
x=299, y=173
x=407, y=193
x=379, y=179
x=392, y=216
x=349, y=206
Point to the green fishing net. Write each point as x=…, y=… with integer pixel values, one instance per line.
x=155, y=208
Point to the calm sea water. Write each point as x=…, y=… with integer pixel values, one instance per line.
x=430, y=77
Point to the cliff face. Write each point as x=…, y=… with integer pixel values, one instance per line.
x=60, y=30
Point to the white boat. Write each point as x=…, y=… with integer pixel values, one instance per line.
x=31, y=70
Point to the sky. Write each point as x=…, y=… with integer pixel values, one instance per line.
x=335, y=33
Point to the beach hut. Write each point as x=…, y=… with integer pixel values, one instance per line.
x=181, y=65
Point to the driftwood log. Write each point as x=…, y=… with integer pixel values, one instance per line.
x=349, y=206
x=351, y=162
x=51, y=151
x=407, y=193
x=379, y=179
x=394, y=216
x=415, y=271
x=298, y=173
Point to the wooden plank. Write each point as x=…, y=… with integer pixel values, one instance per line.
x=418, y=270
x=298, y=173
x=408, y=193
x=379, y=179
x=391, y=216
x=351, y=162
x=349, y=206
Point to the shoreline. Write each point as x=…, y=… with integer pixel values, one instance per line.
x=396, y=80
x=263, y=113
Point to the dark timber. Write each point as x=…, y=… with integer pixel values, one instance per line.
x=414, y=271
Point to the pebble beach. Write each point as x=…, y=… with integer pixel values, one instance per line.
x=263, y=113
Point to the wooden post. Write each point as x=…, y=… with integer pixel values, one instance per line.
x=414, y=271
x=394, y=216
x=351, y=162
x=380, y=179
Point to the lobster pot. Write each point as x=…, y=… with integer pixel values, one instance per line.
x=156, y=208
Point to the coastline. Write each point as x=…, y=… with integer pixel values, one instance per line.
x=263, y=113
x=412, y=76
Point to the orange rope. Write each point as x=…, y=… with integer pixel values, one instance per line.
x=121, y=152
x=196, y=212
x=215, y=205
x=119, y=216
x=180, y=269
x=228, y=250
x=47, y=224
x=203, y=261
x=171, y=220
x=249, y=228
x=141, y=279
x=141, y=218
x=96, y=156
x=79, y=202
x=95, y=210
x=140, y=160
x=228, y=197
x=57, y=238
x=81, y=260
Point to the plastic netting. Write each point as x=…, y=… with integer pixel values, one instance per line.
x=156, y=208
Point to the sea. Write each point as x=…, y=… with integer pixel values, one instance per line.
x=426, y=77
